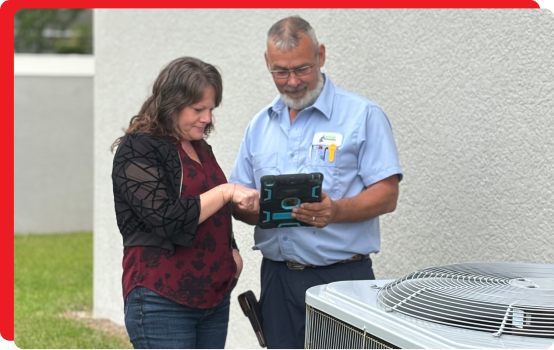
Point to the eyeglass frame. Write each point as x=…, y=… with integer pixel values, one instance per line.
x=292, y=71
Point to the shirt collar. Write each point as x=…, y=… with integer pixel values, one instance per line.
x=324, y=102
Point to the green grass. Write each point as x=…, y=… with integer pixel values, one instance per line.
x=53, y=275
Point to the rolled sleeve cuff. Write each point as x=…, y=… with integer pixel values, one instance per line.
x=383, y=175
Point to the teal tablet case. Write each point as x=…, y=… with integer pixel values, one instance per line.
x=281, y=193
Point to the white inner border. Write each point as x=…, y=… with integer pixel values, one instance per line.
x=53, y=65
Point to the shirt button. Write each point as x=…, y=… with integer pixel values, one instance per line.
x=285, y=238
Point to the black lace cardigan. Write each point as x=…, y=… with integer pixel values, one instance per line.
x=147, y=175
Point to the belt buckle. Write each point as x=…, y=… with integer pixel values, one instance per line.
x=293, y=265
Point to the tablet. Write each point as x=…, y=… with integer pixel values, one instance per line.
x=279, y=194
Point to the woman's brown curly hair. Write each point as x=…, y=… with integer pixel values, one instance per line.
x=180, y=84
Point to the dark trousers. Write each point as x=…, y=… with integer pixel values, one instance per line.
x=282, y=298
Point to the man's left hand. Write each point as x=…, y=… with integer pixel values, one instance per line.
x=318, y=214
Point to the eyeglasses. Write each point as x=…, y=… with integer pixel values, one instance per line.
x=300, y=71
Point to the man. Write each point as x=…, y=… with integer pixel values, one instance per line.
x=294, y=134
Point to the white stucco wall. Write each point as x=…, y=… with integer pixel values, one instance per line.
x=470, y=95
x=53, y=121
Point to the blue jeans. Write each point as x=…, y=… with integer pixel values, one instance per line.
x=155, y=322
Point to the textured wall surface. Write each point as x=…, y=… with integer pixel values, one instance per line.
x=53, y=176
x=470, y=95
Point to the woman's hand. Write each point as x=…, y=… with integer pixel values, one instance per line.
x=246, y=198
x=238, y=261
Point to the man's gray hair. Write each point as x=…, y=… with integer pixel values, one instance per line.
x=285, y=33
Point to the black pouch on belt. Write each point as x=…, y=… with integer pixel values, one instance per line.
x=249, y=305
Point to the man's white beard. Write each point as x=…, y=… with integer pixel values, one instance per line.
x=306, y=101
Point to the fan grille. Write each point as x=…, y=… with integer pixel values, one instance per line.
x=500, y=298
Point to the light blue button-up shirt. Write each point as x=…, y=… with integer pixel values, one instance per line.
x=366, y=155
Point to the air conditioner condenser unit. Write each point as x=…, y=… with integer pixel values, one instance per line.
x=463, y=306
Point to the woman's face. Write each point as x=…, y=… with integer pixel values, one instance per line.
x=192, y=120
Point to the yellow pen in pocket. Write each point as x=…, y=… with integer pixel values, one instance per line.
x=332, y=149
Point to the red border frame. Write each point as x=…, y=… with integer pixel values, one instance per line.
x=10, y=7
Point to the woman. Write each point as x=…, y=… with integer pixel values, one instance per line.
x=180, y=259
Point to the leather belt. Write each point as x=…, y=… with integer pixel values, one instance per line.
x=293, y=265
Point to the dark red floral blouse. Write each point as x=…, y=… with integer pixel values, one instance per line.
x=199, y=275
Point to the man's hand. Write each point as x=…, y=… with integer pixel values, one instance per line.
x=247, y=216
x=378, y=199
x=318, y=214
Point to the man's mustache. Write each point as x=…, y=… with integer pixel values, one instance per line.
x=295, y=89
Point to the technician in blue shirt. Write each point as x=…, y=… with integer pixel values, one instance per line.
x=315, y=126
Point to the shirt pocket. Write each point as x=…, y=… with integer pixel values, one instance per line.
x=331, y=170
x=264, y=164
